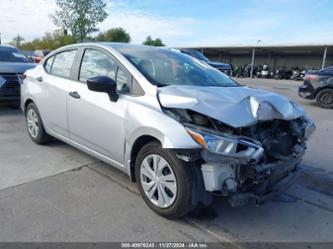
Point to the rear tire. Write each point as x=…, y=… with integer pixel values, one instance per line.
x=324, y=98
x=172, y=185
x=35, y=125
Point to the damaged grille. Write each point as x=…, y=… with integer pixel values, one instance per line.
x=284, y=145
x=278, y=138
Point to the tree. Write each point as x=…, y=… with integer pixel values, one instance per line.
x=17, y=41
x=49, y=41
x=114, y=35
x=80, y=17
x=150, y=42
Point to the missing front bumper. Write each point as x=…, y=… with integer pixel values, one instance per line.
x=222, y=179
x=241, y=199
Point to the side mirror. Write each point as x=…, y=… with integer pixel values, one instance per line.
x=103, y=84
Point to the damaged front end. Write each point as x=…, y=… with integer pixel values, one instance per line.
x=251, y=162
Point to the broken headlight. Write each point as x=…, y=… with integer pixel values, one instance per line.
x=226, y=145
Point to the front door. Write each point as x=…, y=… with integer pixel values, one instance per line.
x=95, y=121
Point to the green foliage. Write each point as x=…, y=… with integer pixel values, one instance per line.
x=114, y=35
x=17, y=41
x=49, y=41
x=80, y=17
x=150, y=42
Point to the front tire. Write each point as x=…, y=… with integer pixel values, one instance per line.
x=164, y=181
x=324, y=98
x=35, y=125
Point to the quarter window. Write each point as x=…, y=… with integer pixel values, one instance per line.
x=123, y=80
x=63, y=63
x=48, y=64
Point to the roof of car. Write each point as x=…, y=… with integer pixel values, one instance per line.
x=118, y=45
x=7, y=46
x=114, y=45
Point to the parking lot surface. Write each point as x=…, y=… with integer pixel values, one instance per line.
x=57, y=193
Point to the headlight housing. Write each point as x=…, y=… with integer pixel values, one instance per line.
x=226, y=145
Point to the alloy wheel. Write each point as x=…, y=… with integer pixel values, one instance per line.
x=32, y=123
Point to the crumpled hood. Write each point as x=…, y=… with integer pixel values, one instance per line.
x=15, y=67
x=234, y=106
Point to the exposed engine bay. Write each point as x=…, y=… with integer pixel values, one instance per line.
x=246, y=162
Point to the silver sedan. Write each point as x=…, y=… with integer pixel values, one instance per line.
x=181, y=129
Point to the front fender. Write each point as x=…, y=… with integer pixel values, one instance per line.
x=147, y=121
x=154, y=122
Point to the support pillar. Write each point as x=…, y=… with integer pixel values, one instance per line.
x=252, y=61
x=324, y=58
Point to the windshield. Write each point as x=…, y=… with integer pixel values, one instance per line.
x=12, y=55
x=164, y=67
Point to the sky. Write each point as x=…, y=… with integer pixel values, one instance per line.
x=190, y=22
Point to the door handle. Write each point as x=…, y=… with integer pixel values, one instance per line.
x=74, y=94
x=40, y=78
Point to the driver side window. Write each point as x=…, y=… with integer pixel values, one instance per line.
x=96, y=63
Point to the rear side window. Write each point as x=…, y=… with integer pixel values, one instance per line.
x=62, y=63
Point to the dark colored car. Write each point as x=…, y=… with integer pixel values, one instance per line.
x=13, y=63
x=223, y=67
x=318, y=85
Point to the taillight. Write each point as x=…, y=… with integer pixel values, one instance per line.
x=37, y=59
x=310, y=77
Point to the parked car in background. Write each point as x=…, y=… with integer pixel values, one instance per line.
x=29, y=54
x=223, y=67
x=13, y=63
x=318, y=85
x=179, y=128
x=38, y=55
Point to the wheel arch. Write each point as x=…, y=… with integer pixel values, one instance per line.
x=137, y=145
x=26, y=103
x=322, y=88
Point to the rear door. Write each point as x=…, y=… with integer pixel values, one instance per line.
x=55, y=82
